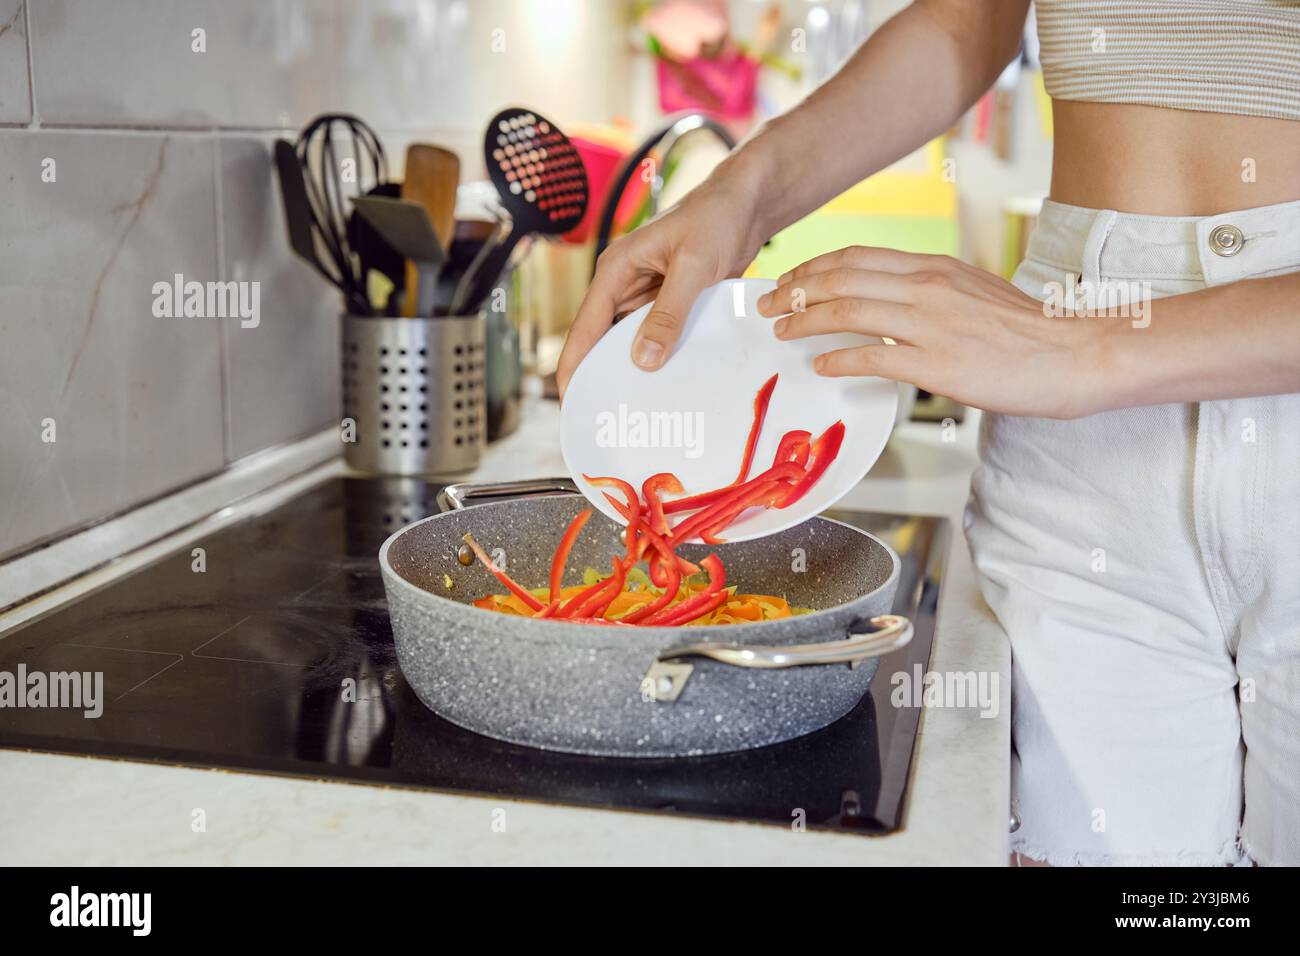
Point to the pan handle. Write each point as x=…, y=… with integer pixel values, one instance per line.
x=456, y=497
x=667, y=676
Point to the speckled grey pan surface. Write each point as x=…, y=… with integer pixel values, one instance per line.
x=575, y=687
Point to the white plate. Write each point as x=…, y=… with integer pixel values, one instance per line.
x=692, y=416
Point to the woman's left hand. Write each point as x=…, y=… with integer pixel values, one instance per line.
x=961, y=332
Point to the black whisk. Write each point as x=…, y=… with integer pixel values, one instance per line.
x=341, y=158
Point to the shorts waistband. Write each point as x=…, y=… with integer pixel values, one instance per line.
x=1103, y=243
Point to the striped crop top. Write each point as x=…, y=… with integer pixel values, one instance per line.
x=1216, y=56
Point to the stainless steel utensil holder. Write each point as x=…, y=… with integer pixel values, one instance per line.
x=414, y=390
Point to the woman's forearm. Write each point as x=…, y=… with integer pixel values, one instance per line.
x=1230, y=341
x=909, y=82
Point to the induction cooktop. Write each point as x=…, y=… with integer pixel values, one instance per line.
x=270, y=650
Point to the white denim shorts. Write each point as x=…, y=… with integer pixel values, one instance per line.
x=1145, y=564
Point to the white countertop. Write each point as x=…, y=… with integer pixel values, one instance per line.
x=83, y=810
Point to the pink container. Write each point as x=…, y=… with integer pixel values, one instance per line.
x=603, y=162
x=724, y=86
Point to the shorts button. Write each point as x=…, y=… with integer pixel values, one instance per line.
x=1226, y=240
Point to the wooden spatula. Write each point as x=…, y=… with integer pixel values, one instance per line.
x=432, y=175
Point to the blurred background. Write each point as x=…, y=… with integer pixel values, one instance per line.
x=136, y=144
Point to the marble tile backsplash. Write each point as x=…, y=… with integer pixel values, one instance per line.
x=102, y=404
x=135, y=144
x=15, y=97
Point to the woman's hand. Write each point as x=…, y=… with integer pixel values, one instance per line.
x=961, y=332
x=670, y=260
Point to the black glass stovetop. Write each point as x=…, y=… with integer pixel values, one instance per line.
x=278, y=657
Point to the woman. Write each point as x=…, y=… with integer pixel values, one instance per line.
x=1135, y=518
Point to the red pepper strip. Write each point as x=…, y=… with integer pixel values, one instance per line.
x=712, y=604
x=658, y=576
x=633, y=528
x=688, y=608
x=673, y=584
x=794, y=447
x=694, y=502
x=628, y=491
x=562, y=552
x=572, y=604
x=595, y=607
x=786, y=470
x=761, y=496
x=549, y=610
x=501, y=576
x=824, y=450
x=650, y=490
x=649, y=538
x=761, y=401
x=705, y=498
x=631, y=513
x=643, y=542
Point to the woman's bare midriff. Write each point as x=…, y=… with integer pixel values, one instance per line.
x=1165, y=162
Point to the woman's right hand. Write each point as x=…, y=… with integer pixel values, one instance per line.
x=710, y=235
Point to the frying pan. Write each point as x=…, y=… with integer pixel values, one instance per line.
x=633, y=692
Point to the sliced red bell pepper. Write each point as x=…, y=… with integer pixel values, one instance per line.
x=644, y=538
x=586, y=594
x=671, y=586
x=562, y=552
x=518, y=590
x=658, y=576
x=694, y=502
x=705, y=498
x=762, y=495
x=761, y=401
x=824, y=451
x=595, y=606
x=688, y=609
x=650, y=491
x=631, y=512
x=713, y=603
x=692, y=526
x=794, y=447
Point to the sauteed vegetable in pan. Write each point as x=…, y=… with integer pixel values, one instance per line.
x=671, y=593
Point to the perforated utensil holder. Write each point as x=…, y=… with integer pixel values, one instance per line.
x=414, y=390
